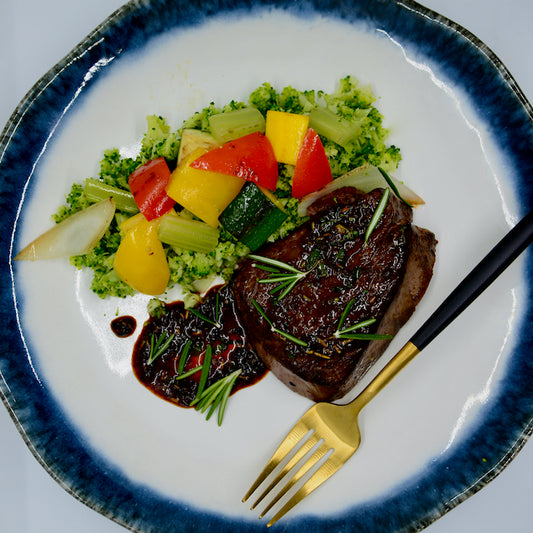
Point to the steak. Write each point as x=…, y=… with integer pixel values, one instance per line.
x=348, y=281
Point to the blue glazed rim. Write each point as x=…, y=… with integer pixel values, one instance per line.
x=450, y=479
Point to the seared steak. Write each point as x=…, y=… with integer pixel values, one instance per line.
x=383, y=279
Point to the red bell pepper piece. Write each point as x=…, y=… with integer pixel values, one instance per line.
x=148, y=184
x=250, y=157
x=312, y=171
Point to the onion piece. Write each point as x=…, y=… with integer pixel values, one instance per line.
x=365, y=178
x=76, y=235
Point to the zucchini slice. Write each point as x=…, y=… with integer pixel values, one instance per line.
x=253, y=215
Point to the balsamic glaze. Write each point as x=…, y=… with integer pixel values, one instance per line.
x=123, y=326
x=228, y=340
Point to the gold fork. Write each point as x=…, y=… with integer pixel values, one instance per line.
x=327, y=435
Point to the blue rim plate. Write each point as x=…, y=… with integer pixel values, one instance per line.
x=39, y=415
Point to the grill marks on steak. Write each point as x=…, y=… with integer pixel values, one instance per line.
x=385, y=278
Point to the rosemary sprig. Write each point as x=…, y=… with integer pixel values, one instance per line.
x=286, y=275
x=288, y=336
x=347, y=332
x=158, y=347
x=215, y=322
x=377, y=214
x=216, y=396
x=392, y=185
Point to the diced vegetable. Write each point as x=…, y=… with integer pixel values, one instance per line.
x=140, y=260
x=97, y=190
x=253, y=216
x=250, y=157
x=148, y=185
x=193, y=139
x=365, y=178
x=234, y=124
x=312, y=171
x=188, y=234
x=286, y=132
x=333, y=127
x=205, y=194
x=76, y=235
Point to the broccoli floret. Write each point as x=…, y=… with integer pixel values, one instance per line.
x=158, y=141
x=200, y=119
x=115, y=169
x=264, y=98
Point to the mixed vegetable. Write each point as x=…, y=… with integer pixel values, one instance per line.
x=195, y=201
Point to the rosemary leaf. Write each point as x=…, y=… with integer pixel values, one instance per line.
x=345, y=314
x=290, y=337
x=280, y=287
x=205, y=370
x=377, y=214
x=288, y=289
x=279, y=278
x=359, y=325
x=190, y=372
x=202, y=402
x=184, y=356
x=157, y=348
x=261, y=312
x=393, y=186
x=275, y=263
x=227, y=392
x=206, y=319
x=363, y=336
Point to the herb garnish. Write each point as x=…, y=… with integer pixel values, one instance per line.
x=184, y=356
x=215, y=322
x=205, y=370
x=286, y=275
x=274, y=329
x=347, y=332
x=393, y=187
x=158, y=347
x=377, y=214
x=216, y=396
x=190, y=372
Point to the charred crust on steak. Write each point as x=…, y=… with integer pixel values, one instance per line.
x=386, y=278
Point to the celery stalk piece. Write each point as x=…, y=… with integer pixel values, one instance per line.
x=188, y=234
x=333, y=127
x=234, y=124
x=97, y=190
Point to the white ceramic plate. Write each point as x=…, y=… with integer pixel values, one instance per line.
x=416, y=92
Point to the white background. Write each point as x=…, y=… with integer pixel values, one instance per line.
x=34, y=35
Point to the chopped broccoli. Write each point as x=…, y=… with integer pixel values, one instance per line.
x=350, y=102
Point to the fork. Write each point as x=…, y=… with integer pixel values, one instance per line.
x=328, y=434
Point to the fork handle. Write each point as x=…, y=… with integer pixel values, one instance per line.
x=490, y=267
x=494, y=263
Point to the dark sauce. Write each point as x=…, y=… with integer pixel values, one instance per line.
x=228, y=340
x=123, y=326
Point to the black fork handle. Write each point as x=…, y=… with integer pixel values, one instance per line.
x=490, y=267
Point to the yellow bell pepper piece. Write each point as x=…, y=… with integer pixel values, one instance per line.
x=204, y=193
x=140, y=260
x=286, y=132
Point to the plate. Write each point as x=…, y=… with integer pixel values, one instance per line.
x=89, y=459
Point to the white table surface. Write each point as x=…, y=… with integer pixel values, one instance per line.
x=34, y=35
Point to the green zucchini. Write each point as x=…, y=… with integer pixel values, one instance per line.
x=253, y=216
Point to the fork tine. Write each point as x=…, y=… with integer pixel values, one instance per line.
x=306, y=467
x=308, y=445
x=330, y=466
x=295, y=435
